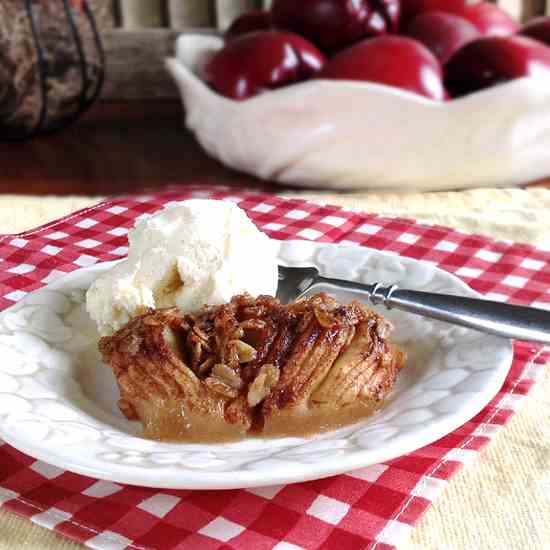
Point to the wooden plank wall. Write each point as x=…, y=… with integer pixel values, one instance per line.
x=104, y=11
x=146, y=77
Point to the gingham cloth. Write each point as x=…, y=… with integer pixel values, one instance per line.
x=375, y=507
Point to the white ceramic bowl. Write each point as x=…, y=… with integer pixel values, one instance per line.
x=357, y=135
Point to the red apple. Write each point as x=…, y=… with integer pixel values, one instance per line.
x=255, y=20
x=489, y=19
x=412, y=8
x=392, y=60
x=538, y=29
x=334, y=24
x=442, y=33
x=260, y=61
x=493, y=60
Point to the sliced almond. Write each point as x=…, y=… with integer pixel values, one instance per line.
x=264, y=382
x=228, y=375
x=214, y=384
x=245, y=352
x=253, y=324
x=324, y=318
x=130, y=344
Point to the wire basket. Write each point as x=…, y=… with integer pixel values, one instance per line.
x=51, y=65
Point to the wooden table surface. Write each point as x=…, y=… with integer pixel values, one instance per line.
x=117, y=147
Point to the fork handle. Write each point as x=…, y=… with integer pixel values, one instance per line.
x=508, y=321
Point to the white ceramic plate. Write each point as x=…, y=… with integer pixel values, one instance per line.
x=343, y=134
x=58, y=402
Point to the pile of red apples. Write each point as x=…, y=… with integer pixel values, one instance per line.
x=439, y=49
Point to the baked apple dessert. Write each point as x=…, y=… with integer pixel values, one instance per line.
x=252, y=366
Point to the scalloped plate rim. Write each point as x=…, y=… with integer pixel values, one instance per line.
x=194, y=479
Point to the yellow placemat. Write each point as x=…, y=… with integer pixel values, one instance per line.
x=502, y=501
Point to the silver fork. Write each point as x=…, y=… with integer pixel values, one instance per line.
x=508, y=321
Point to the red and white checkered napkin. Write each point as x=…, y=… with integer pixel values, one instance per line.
x=371, y=508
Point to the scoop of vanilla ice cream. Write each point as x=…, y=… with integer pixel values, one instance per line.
x=200, y=252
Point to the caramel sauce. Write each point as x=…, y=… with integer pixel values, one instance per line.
x=315, y=421
x=171, y=423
